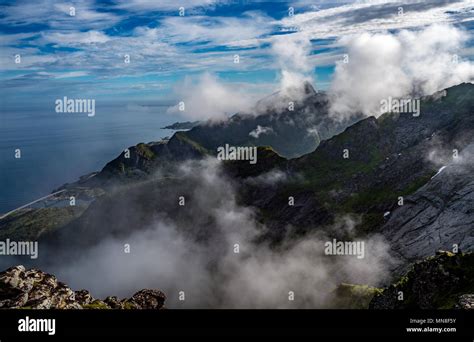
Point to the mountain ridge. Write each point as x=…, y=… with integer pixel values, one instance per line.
x=389, y=157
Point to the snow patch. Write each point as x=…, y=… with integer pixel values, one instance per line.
x=439, y=171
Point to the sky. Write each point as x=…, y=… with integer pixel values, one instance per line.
x=79, y=49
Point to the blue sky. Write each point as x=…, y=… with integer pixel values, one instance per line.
x=83, y=55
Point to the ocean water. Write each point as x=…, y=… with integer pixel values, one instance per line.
x=57, y=148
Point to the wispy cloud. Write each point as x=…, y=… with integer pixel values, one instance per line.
x=57, y=15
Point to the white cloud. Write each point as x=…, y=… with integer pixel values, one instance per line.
x=163, y=5
x=292, y=53
x=70, y=74
x=272, y=177
x=228, y=31
x=410, y=63
x=76, y=38
x=259, y=130
x=31, y=58
x=292, y=56
x=367, y=16
x=160, y=50
x=208, y=98
x=57, y=15
x=9, y=39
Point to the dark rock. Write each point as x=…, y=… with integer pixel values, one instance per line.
x=465, y=302
x=439, y=215
x=148, y=299
x=434, y=283
x=113, y=302
x=83, y=297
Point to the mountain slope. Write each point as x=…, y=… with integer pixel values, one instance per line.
x=439, y=215
x=388, y=157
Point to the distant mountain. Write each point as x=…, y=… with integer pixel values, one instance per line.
x=177, y=126
x=290, y=128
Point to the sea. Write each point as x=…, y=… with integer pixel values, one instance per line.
x=41, y=150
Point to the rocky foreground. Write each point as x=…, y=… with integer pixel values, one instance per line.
x=443, y=281
x=34, y=289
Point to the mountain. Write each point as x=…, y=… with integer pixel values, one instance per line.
x=182, y=125
x=389, y=158
x=408, y=178
x=291, y=127
x=290, y=132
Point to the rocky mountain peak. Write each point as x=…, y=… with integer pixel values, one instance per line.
x=308, y=89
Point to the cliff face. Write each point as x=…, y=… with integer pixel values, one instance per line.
x=34, y=289
x=439, y=215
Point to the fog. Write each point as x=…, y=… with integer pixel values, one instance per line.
x=227, y=268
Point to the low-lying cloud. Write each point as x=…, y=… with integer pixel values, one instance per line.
x=219, y=263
